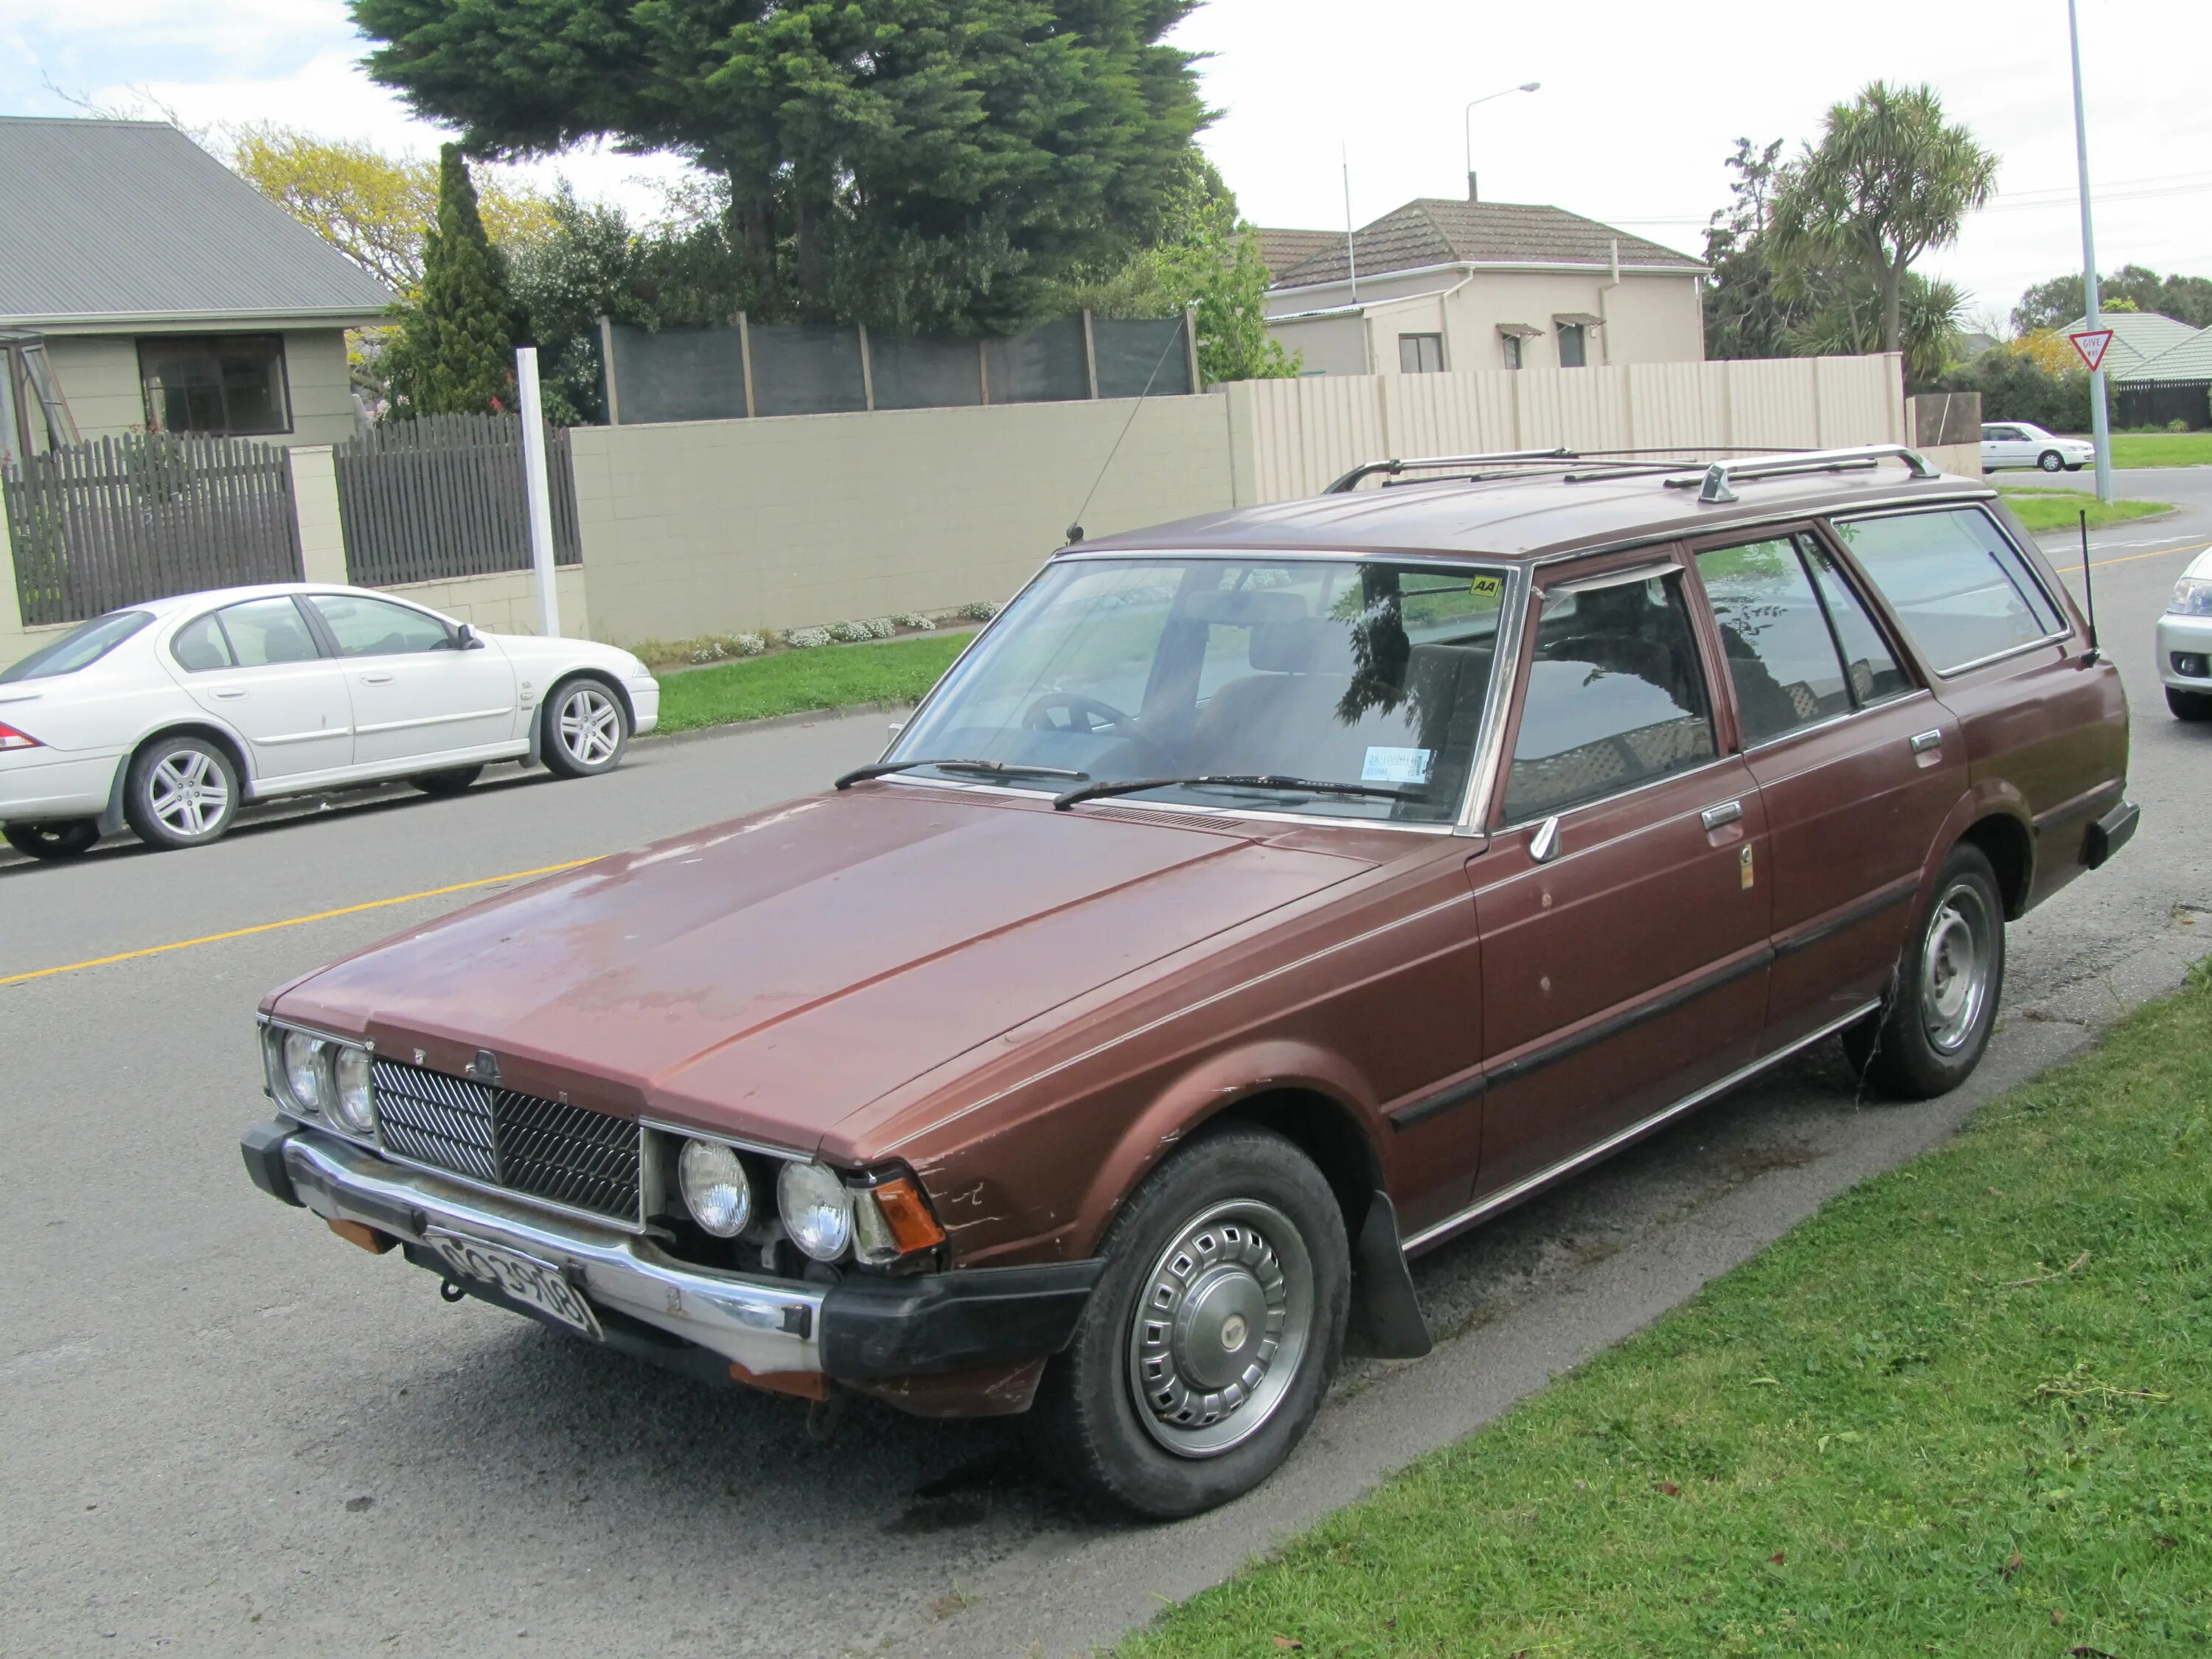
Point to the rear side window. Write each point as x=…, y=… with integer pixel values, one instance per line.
x=1962, y=590
x=264, y=632
x=1615, y=698
x=200, y=646
x=80, y=648
x=1780, y=657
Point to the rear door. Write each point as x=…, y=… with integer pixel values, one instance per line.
x=258, y=667
x=1858, y=766
x=418, y=694
x=1623, y=902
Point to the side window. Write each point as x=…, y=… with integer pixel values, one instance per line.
x=263, y=632
x=1868, y=663
x=1781, y=657
x=1615, y=698
x=201, y=646
x=1961, y=589
x=1421, y=354
x=377, y=627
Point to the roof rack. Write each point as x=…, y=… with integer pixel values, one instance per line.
x=1350, y=481
x=1713, y=486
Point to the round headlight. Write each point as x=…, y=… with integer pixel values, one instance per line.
x=303, y=1070
x=351, y=1103
x=817, y=1210
x=715, y=1190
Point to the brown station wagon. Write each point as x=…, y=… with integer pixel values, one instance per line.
x=1259, y=902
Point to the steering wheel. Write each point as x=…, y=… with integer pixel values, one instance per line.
x=1080, y=712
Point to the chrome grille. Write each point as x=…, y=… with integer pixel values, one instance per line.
x=539, y=1148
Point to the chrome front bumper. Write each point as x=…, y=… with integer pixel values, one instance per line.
x=769, y=1326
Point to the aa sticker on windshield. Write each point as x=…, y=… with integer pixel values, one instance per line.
x=1488, y=587
x=1396, y=766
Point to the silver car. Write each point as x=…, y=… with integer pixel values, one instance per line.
x=2015, y=443
x=2184, y=642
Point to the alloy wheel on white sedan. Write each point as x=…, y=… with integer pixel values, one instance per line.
x=586, y=729
x=181, y=792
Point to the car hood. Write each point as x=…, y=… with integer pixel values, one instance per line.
x=769, y=976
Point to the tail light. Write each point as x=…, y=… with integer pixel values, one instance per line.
x=11, y=738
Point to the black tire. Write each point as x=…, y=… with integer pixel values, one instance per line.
x=1202, y=1220
x=575, y=739
x=1911, y=1047
x=2052, y=461
x=160, y=774
x=2189, y=705
x=65, y=840
x=2076, y=466
x=450, y=781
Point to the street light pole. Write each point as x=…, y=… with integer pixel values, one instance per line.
x=2101, y=428
x=1467, y=121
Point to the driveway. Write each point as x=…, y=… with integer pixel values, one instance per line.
x=228, y=1432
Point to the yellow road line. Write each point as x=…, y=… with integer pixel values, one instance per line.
x=2155, y=553
x=292, y=921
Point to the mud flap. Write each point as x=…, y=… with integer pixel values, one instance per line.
x=1386, y=1315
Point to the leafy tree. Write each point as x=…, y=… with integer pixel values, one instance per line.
x=912, y=164
x=1746, y=315
x=2019, y=382
x=2132, y=287
x=1889, y=179
x=1845, y=319
x=455, y=354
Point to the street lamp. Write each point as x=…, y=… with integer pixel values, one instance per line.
x=1466, y=120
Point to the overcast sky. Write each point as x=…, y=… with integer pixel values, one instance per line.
x=1639, y=104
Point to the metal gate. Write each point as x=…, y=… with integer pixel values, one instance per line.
x=441, y=496
x=121, y=520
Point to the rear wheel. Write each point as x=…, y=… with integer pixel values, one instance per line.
x=450, y=781
x=2050, y=461
x=1212, y=1335
x=586, y=729
x=65, y=840
x=1930, y=1034
x=182, y=791
x=2189, y=705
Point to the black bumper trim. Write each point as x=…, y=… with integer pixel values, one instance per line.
x=952, y=1321
x=2111, y=833
x=263, y=1147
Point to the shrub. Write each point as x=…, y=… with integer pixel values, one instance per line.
x=807, y=639
x=748, y=644
x=849, y=633
x=978, y=610
x=2015, y=386
x=2177, y=426
x=913, y=619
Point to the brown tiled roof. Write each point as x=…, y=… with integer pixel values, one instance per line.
x=1279, y=250
x=1437, y=232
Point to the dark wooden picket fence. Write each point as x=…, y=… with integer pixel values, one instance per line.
x=118, y=522
x=441, y=496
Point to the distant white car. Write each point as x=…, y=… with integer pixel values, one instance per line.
x=2015, y=443
x=168, y=715
x=2184, y=642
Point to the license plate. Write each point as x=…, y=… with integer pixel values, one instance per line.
x=538, y=1284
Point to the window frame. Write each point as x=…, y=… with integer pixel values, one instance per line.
x=1417, y=340
x=307, y=620
x=1515, y=349
x=326, y=636
x=1831, y=524
x=141, y=343
x=1581, y=332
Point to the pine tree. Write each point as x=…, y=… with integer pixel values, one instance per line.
x=455, y=355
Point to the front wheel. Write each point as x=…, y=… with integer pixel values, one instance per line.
x=66, y=840
x=182, y=791
x=586, y=729
x=2189, y=705
x=1930, y=1034
x=2076, y=466
x=1212, y=1334
x=2052, y=461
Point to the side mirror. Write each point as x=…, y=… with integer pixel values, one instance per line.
x=466, y=639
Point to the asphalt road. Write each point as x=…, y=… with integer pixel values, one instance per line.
x=226, y=1432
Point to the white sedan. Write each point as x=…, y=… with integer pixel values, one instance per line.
x=2015, y=443
x=168, y=715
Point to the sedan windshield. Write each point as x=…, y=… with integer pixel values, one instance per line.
x=81, y=647
x=1230, y=683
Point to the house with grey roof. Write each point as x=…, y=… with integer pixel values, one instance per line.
x=171, y=294
x=1440, y=285
x=2159, y=368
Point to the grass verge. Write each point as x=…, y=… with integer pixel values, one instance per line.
x=2162, y=448
x=793, y=681
x=1965, y=1410
x=2043, y=510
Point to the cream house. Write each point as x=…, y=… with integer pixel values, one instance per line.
x=1442, y=285
x=169, y=293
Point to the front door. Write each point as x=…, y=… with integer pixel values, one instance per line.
x=256, y=667
x=1623, y=902
x=417, y=693
x=1858, y=767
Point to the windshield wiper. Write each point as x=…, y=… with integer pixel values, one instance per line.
x=1264, y=780
x=987, y=768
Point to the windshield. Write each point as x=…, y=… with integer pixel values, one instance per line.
x=81, y=647
x=1335, y=671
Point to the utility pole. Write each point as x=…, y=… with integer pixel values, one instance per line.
x=1350, y=252
x=2101, y=426
x=536, y=491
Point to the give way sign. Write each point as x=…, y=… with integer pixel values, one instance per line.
x=2091, y=344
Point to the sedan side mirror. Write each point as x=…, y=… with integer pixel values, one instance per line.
x=466, y=638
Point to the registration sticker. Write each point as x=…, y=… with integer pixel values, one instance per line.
x=1397, y=766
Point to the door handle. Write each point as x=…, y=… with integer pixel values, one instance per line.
x=376, y=679
x=230, y=693
x=1727, y=812
x=1924, y=741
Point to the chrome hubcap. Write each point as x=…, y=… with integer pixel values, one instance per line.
x=1223, y=1320
x=590, y=726
x=1954, y=968
x=189, y=794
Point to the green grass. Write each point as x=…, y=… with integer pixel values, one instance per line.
x=1965, y=1410
x=2060, y=509
x=2162, y=448
x=792, y=682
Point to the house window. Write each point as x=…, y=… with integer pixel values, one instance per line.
x=1512, y=345
x=229, y=385
x=1574, y=345
x=1420, y=354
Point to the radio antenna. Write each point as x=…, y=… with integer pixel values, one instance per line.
x=1174, y=339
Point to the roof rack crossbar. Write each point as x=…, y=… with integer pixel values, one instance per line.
x=1350, y=481
x=1713, y=486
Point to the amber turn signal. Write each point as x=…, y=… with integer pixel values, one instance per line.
x=892, y=1221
